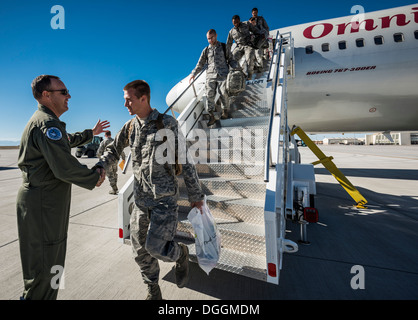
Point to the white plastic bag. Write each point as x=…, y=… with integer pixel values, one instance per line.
x=207, y=237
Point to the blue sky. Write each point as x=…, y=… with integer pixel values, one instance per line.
x=108, y=43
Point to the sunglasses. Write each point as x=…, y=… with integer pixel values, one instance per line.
x=64, y=92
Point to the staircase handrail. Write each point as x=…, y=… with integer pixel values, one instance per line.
x=273, y=108
x=272, y=57
x=184, y=91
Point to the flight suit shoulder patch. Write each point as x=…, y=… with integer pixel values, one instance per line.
x=54, y=133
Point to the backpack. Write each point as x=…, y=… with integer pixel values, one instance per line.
x=235, y=82
x=257, y=41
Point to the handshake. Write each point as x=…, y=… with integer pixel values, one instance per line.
x=100, y=127
x=102, y=173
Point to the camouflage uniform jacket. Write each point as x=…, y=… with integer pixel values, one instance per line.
x=262, y=24
x=214, y=56
x=154, y=180
x=241, y=35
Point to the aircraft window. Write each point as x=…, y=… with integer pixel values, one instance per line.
x=309, y=49
x=325, y=47
x=398, y=37
x=416, y=34
x=378, y=40
x=342, y=45
x=360, y=43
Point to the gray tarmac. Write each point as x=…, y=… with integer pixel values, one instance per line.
x=382, y=239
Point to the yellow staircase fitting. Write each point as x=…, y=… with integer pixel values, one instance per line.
x=331, y=167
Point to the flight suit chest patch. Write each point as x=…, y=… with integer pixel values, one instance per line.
x=54, y=133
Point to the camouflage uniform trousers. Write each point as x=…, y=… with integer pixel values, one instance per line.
x=249, y=52
x=259, y=57
x=212, y=86
x=152, y=233
x=112, y=175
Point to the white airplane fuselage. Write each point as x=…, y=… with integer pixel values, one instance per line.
x=366, y=88
x=369, y=88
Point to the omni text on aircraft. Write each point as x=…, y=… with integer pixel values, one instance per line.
x=368, y=24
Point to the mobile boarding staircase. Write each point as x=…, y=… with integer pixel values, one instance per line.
x=249, y=168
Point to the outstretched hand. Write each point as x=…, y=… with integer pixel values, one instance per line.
x=100, y=127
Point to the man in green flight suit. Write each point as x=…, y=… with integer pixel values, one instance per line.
x=43, y=201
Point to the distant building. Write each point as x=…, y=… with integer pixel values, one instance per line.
x=399, y=138
x=345, y=141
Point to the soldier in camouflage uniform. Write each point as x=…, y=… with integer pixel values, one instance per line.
x=240, y=33
x=43, y=201
x=260, y=22
x=153, y=221
x=112, y=172
x=217, y=58
x=262, y=25
x=259, y=63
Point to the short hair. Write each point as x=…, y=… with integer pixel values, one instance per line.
x=236, y=17
x=108, y=133
x=141, y=88
x=212, y=31
x=40, y=84
x=254, y=9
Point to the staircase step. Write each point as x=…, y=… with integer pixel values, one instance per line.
x=228, y=155
x=242, y=171
x=242, y=263
x=254, y=96
x=246, y=155
x=250, y=112
x=247, y=188
x=240, y=108
x=248, y=210
x=239, y=236
x=229, y=138
x=232, y=209
x=229, y=130
x=241, y=122
x=237, y=143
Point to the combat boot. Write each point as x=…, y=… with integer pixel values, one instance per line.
x=154, y=292
x=114, y=190
x=212, y=119
x=225, y=115
x=182, y=267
